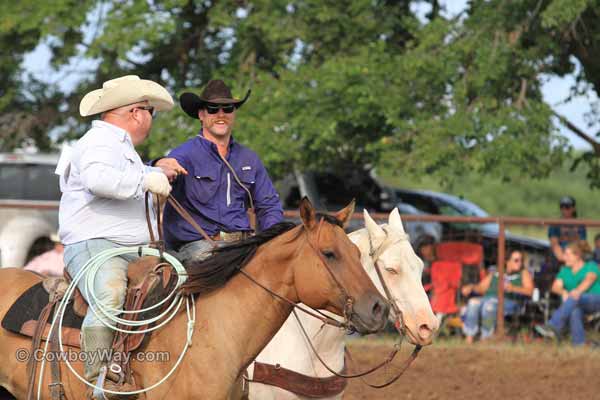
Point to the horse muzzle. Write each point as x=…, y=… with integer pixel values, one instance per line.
x=370, y=314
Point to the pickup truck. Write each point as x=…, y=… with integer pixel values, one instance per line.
x=29, y=199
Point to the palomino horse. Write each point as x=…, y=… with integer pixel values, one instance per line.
x=314, y=263
x=401, y=269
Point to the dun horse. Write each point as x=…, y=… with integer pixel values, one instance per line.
x=401, y=270
x=314, y=263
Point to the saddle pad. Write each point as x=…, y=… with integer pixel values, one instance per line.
x=29, y=306
x=22, y=316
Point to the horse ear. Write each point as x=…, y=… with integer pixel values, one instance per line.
x=394, y=220
x=376, y=232
x=345, y=215
x=307, y=213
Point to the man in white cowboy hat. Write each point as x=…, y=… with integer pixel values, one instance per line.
x=103, y=181
x=220, y=178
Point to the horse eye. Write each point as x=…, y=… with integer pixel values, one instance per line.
x=330, y=255
x=392, y=270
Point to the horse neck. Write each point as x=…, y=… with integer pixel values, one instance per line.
x=247, y=314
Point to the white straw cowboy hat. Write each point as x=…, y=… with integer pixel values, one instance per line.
x=122, y=91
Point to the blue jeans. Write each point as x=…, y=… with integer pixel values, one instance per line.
x=571, y=312
x=484, y=309
x=110, y=285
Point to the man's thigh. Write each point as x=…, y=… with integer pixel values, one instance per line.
x=112, y=274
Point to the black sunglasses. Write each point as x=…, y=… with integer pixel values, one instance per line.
x=214, y=108
x=147, y=108
x=566, y=206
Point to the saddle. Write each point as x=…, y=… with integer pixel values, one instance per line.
x=149, y=281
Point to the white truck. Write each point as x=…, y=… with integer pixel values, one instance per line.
x=29, y=198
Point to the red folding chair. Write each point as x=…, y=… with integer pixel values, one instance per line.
x=445, y=279
x=463, y=252
x=470, y=255
x=454, y=264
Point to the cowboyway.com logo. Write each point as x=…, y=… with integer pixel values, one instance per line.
x=104, y=355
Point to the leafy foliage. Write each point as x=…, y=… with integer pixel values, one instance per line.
x=334, y=82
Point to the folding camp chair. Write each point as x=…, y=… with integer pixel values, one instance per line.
x=458, y=263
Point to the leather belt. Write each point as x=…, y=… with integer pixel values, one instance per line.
x=231, y=236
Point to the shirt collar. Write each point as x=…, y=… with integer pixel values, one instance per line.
x=122, y=134
x=211, y=144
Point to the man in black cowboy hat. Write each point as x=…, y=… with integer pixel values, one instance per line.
x=220, y=179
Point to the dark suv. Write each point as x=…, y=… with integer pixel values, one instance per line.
x=331, y=192
x=487, y=234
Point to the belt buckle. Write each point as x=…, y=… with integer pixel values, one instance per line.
x=229, y=236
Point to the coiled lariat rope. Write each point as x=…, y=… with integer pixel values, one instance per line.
x=108, y=315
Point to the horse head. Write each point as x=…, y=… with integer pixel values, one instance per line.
x=328, y=273
x=401, y=270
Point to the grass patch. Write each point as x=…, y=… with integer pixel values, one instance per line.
x=521, y=197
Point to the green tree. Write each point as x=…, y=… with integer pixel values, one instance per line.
x=335, y=83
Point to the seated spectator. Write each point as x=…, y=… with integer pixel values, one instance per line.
x=517, y=282
x=578, y=285
x=561, y=235
x=426, y=251
x=51, y=262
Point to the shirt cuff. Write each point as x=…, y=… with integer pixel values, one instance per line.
x=148, y=169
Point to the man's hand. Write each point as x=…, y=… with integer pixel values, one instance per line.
x=171, y=168
x=157, y=182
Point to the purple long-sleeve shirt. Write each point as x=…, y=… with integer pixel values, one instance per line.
x=213, y=197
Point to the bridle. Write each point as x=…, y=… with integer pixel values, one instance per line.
x=348, y=311
x=375, y=254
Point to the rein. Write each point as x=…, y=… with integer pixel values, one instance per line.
x=398, y=324
x=349, y=301
x=314, y=313
x=348, y=307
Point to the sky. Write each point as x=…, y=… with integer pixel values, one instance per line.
x=555, y=90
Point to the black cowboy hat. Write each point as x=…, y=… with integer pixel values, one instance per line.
x=215, y=92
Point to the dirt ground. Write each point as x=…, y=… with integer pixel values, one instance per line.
x=484, y=371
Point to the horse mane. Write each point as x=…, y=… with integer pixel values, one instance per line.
x=225, y=262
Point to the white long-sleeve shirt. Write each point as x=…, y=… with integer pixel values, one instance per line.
x=102, y=191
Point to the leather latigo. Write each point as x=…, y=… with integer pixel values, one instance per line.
x=298, y=383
